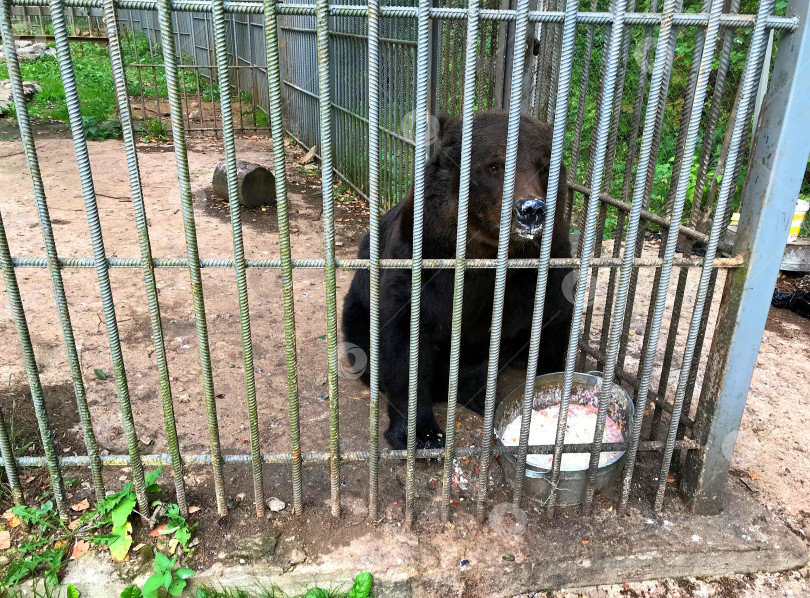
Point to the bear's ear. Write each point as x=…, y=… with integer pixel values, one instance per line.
x=446, y=122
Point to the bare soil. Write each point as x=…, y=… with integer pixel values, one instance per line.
x=771, y=457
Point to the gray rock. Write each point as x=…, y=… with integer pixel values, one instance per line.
x=297, y=556
x=29, y=51
x=252, y=548
x=30, y=89
x=276, y=504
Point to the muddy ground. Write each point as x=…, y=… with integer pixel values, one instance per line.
x=771, y=456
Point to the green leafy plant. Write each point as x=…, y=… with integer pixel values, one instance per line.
x=72, y=592
x=166, y=576
x=98, y=130
x=178, y=526
x=115, y=510
x=43, y=517
x=155, y=129
x=362, y=585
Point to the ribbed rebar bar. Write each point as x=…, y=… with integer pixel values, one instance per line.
x=657, y=90
x=605, y=108
x=31, y=370
x=408, y=12
x=285, y=263
x=325, y=112
x=468, y=101
x=122, y=96
x=420, y=158
x=221, y=49
x=504, y=230
x=9, y=464
x=52, y=260
x=362, y=264
x=99, y=253
x=374, y=255
x=696, y=211
x=648, y=359
x=753, y=67
x=346, y=457
x=561, y=114
x=192, y=261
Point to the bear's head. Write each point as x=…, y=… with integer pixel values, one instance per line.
x=487, y=170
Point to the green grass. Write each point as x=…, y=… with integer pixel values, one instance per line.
x=272, y=592
x=97, y=93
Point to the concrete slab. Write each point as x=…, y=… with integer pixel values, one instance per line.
x=571, y=551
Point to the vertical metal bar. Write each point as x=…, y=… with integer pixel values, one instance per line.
x=325, y=104
x=555, y=67
x=605, y=108
x=218, y=13
x=689, y=99
x=616, y=323
x=10, y=463
x=561, y=114
x=189, y=227
x=420, y=158
x=648, y=184
x=374, y=252
x=690, y=138
x=763, y=81
x=781, y=156
x=26, y=135
x=697, y=197
x=470, y=62
x=146, y=252
x=583, y=95
x=507, y=205
x=94, y=224
x=282, y=207
x=13, y=293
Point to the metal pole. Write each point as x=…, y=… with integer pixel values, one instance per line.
x=780, y=150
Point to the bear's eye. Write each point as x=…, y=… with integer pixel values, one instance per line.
x=494, y=168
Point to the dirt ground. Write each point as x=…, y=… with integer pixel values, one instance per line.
x=771, y=456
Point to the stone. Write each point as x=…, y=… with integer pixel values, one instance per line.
x=253, y=548
x=297, y=556
x=28, y=51
x=276, y=504
x=30, y=89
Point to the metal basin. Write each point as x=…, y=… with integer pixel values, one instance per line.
x=572, y=482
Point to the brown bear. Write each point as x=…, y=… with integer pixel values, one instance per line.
x=442, y=175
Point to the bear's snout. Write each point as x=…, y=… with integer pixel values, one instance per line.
x=530, y=213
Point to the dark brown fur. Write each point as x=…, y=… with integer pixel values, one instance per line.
x=442, y=175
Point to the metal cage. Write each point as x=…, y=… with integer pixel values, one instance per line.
x=423, y=58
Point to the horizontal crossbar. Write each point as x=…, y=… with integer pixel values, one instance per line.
x=362, y=264
x=347, y=456
x=737, y=21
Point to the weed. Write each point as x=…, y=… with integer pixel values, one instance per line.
x=165, y=576
x=45, y=552
x=361, y=588
x=155, y=129
x=178, y=526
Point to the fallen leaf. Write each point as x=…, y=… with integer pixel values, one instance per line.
x=586, y=542
x=193, y=510
x=138, y=547
x=753, y=475
x=59, y=544
x=80, y=506
x=14, y=521
x=5, y=540
x=8, y=515
x=80, y=549
x=671, y=479
x=156, y=532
